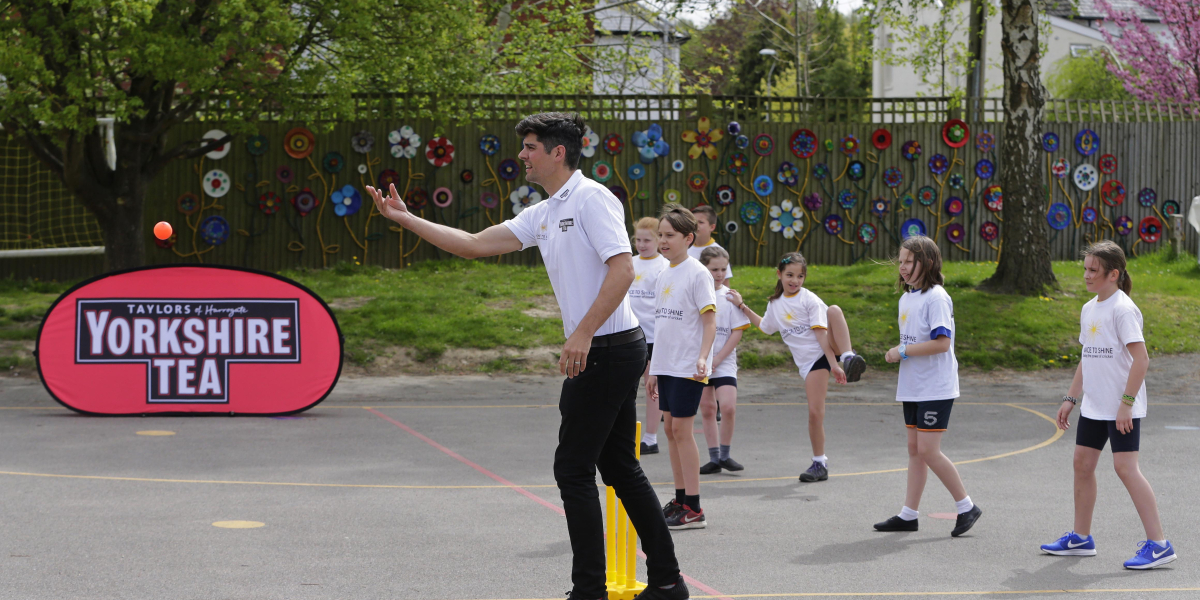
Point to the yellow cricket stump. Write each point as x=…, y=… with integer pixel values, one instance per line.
x=620, y=542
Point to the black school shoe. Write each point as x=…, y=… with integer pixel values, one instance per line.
x=817, y=472
x=966, y=520
x=649, y=448
x=854, y=367
x=679, y=592
x=895, y=523
x=710, y=468
x=731, y=465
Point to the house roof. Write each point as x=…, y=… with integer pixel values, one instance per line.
x=632, y=19
x=1087, y=9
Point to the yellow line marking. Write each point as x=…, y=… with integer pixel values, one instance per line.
x=948, y=593
x=239, y=524
x=156, y=433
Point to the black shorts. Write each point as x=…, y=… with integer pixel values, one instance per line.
x=1092, y=433
x=679, y=396
x=649, y=353
x=820, y=363
x=716, y=382
x=931, y=415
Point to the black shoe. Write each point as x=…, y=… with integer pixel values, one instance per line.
x=817, y=472
x=679, y=592
x=966, y=521
x=731, y=465
x=670, y=507
x=854, y=367
x=649, y=448
x=710, y=468
x=896, y=524
x=573, y=596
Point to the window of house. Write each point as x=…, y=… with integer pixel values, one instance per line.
x=1078, y=50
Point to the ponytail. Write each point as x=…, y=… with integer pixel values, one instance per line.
x=1112, y=258
x=1124, y=282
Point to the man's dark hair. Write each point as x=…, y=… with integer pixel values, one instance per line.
x=555, y=129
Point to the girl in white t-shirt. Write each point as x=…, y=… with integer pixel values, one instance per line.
x=928, y=382
x=684, y=327
x=722, y=385
x=646, y=268
x=815, y=333
x=1111, y=376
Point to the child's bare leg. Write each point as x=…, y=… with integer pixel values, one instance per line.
x=728, y=396
x=653, y=412
x=1126, y=464
x=1085, y=488
x=918, y=472
x=815, y=387
x=839, y=331
x=708, y=416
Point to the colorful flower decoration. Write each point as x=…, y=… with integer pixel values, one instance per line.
x=910, y=150
x=820, y=171
x=764, y=144
x=881, y=139
x=703, y=139
x=955, y=133
x=813, y=202
x=405, y=142
x=742, y=142
x=907, y=200
x=298, y=142
x=220, y=151
x=927, y=196
x=856, y=170
x=1170, y=208
x=731, y=227
x=489, y=199
x=786, y=219
x=725, y=195
x=938, y=164
x=867, y=233
x=269, y=203
x=673, y=196
x=416, y=198
x=257, y=145
x=217, y=183
x=957, y=182
x=1150, y=229
x=880, y=206
x=636, y=171
x=829, y=145
x=1147, y=197
x=650, y=144
x=985, y=142
x=993, y=198
x=388, y=178
x=849, y=145
x=1087, y=142
x=362, y=169
x=788, y=174
x=168, y=243
x=508, y=169
x=1061, y=168
x=346, y=201
x=591, y=141
x=1113, y=193
x=602, y=171
x=912, y=227
x=643, y=195
x=733, y=128
x=984, y=169
x=442, y=197
x=1086, y=177
x=751, y=213
x=214, y=230
x=803, y=143
x=893, y=177
x=1090, y=214
x=833, y=225
x=763, y=186
x=677, y=166
x=466, y=176
x=697, y=181
x=439, y=152
x=489, y=144
x=1124, y=225
x=736, y=163
x=525, y=196
x=1059, y=216
x=284, y=174
x=362, y=142
x=305, y=201
x=613, y=144
x=1050, y=141
x=187, y=203
x=847, y=199
x=1108, y=164
x=955, y=233
x=954, y=206
x=989, y=231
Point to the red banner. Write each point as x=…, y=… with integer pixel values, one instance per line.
x=189, y=339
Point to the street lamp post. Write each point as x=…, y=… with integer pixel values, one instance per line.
x=774, y=61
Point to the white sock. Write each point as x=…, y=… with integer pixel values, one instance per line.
x=821, y=459
x=964, y=505
x=846, y=354
x=650, y=439
x=1161, y=543
x=909, y=514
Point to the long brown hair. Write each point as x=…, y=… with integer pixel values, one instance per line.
x=925, y=253
x=1111, y=257
x=791, y=258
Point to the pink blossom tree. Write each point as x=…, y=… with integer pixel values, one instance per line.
x=1151, y=68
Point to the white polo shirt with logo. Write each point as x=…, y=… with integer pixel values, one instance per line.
x=577, y=230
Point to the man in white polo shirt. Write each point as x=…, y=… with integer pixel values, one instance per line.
x=580, y=231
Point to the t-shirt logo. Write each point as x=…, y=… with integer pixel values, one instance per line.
x=904, y=318
x=565, y=223
x=1093, y=330
x=789, y=317
x=566, y=192
x=666, y=293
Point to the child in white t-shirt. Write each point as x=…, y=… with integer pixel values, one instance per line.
x=815, y=334
x=706, y=224
x=646, y=268
x=1111, y=376
x=684, y=329
x=928, y=382
x=722, y=386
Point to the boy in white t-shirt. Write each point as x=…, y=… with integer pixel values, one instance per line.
x=706, y=224
x=642, y=293
x=1111, y=375
x=722, y=386
x=684, y=327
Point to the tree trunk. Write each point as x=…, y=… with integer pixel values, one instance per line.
x=124, y=246
x=1025, y=257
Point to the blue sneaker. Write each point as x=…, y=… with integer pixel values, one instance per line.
x=1151, y=555
x=1071, y=545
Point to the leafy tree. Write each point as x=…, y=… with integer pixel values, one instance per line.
x=1086, y=78
x=1151, y=68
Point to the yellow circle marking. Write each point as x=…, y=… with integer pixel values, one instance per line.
x=239, y=524
x=156, y=433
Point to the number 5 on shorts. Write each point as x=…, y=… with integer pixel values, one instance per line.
x=931, y=417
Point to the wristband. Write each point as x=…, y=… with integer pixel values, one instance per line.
x=1128, y=400
x=1071, y=400
x=903, y=354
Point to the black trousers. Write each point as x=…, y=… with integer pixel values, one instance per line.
x=599, y=420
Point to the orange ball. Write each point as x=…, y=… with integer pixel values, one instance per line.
x=162, y=230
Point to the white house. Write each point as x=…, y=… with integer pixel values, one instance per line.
x=639, y=50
